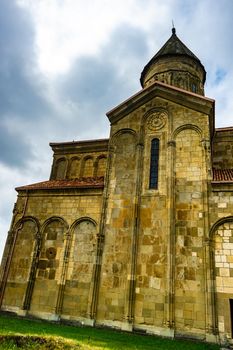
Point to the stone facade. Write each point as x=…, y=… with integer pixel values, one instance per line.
x=130, y=236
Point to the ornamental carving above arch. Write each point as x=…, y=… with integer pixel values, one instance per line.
x=156, y=120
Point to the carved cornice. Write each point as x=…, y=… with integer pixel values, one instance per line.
x=77, y=147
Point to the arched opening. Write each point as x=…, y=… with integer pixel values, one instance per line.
x=154, y=164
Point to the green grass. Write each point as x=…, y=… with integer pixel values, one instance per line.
x=55, y=336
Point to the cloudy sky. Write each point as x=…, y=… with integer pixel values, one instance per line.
x=65, y=63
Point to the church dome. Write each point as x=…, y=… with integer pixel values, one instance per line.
x=175, y=64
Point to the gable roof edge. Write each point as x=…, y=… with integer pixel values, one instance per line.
x=160, y=89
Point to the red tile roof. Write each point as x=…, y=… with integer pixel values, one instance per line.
x=222, y=175
x=85, y=182
x=219, y=175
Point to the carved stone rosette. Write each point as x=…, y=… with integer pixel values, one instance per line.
x=156, y=120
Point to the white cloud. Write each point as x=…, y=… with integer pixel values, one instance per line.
x=69, y=29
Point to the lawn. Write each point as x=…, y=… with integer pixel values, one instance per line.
x=43, y=335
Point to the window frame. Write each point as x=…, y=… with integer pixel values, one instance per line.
x=154, y=164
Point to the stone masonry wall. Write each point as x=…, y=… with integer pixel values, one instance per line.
x=150, y=293
x=21, y=264
x=71, y=166
x=221, y=209
x=223, y=247
x=223, y=149
x=115, y=273
x=55, y=253
x=155, y=272
x=145, y=299
x=189, y=272
x=80, y=269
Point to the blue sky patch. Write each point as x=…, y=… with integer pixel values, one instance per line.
x=219, y=75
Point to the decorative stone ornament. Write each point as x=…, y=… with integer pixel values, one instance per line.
x=156, y=120
x=51, y=253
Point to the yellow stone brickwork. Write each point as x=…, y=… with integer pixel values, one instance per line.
x=223, y=149
x=131, y=253
x=73, y=167
x=189, y=285
x=54, y=255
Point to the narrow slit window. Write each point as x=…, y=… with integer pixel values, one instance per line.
x=194, y=87
x=231, y=316
x=154, y=163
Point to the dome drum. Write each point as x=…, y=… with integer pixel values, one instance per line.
x=182, y=72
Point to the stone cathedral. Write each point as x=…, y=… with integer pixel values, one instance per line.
x=134, y=232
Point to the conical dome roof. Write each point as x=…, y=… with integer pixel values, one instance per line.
x=174, y=46
x=173, y=53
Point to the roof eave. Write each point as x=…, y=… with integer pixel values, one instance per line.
x=29, y=189
x=95, y=145
x=163, y=90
